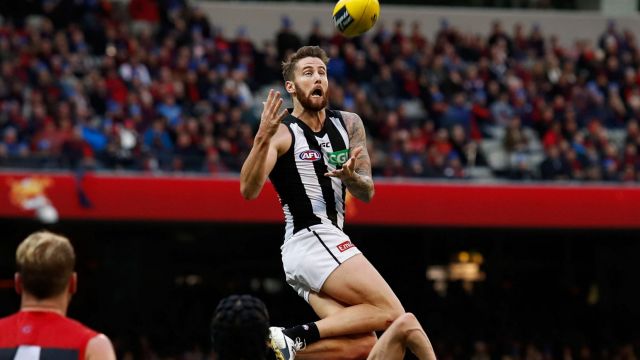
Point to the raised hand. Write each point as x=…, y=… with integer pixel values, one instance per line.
x=348, y=170
x=271, y=115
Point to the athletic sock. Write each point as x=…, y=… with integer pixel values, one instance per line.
x=308, y=333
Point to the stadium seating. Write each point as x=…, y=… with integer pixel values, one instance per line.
x=169, y=92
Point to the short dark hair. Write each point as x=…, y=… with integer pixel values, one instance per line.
x=289, y=65
x=240, y=328
x=45, y=262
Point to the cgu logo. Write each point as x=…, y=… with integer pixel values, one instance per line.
x=310, y=155
x=338, y=158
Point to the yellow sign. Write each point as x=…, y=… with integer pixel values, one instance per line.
x=25, y=190
x=29, y=194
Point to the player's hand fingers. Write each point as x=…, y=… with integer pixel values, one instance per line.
x=283, y=114
x=334, y=173
x=276, y=102
x=270, y=96
x=356, y=152
x=349, y=168
x=268, y=101
x=351, y=164
x=275, y=107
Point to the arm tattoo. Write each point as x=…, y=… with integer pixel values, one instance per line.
x=360, y=186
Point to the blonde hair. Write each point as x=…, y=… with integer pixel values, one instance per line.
x=45, y=263
x=289, y=66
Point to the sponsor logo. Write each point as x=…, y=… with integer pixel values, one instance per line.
x=29, y=194
x=342, y=19
x=310, y=155
x=345, y=246
x=338, y=158
x=325, y=145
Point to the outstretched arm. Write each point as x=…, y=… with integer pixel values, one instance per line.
x=356, y=172
x=268, y=143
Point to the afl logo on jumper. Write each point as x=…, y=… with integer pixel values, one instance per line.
x=310, y=155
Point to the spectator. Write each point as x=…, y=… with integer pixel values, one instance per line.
x=554, y=167
x=286, y=39
x=181, y=66
x=458, y=113
x=158, y=143
x=316, y=37
x=11, y=145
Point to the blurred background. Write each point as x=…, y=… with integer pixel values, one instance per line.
x=504, y=139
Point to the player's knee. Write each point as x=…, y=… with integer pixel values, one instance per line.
x=392, y=315
x=406, y=322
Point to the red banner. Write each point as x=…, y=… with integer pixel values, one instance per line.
x=52, y=196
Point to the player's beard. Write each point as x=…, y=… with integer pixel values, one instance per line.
x=312, y=103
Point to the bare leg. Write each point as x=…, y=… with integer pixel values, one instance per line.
x=354, y=302
x=404, y=332
x=370, y=304
x=355, y=347
x=336, y=348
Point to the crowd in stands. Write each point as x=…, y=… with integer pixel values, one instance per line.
x=157, y=87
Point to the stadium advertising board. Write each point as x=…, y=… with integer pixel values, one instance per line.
x=53, y=196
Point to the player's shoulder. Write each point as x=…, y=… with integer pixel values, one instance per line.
x=9, y=317
x=8, y=327
x=283, y=131
x=349, y=117
x=285, y=126
x=7, y=320
x=351, y=120
x=288, y=120
x=76, y=327
x=282, y=139
x=100, y=348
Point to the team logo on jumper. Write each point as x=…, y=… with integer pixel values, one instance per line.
x=338, y=158
x=345, y=246
x=310, y=155
x=342, y=19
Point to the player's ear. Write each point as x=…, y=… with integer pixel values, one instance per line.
x=290, y=87
x=17, y=283
x=73, y=283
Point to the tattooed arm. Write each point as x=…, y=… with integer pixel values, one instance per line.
x=356, y=172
